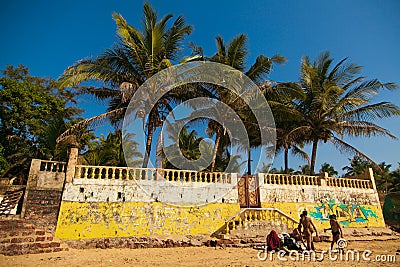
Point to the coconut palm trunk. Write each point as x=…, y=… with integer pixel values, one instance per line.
x=286, y=159
x=216, y=146
x=249, y=162
x=148, y=145
x=313, y=156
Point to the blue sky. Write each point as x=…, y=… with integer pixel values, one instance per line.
x=49, y=36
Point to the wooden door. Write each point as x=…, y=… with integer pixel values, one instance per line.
x=248, y=191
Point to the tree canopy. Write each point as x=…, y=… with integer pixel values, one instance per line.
x=33, y=112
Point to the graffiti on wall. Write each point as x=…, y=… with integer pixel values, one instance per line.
x=346, y=213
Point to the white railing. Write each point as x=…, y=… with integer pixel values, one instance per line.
x=52, y=166
x=287, y=179
x=258, y=214
x=127, y=173
x=349, y=182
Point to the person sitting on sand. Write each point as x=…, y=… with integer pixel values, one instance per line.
x=296, y=234
x=336, y=230
x=273, y=241
x=306, y=223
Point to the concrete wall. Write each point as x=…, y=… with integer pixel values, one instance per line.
x=102, y=202
x=354, y=207
x=43, y=193
x=85, y=220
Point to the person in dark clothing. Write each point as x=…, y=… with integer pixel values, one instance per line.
x=307, y=223
x=336, y=229
x=273, y=241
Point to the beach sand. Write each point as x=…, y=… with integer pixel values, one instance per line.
x=196, y=256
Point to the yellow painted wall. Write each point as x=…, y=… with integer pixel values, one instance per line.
x=83, y=220
x=349, y=215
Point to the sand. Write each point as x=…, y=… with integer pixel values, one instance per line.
x=195, y=256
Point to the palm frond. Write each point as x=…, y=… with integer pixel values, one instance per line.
x=372, y=112
x=91, y=122
x=361, y=129
x=349, y=149
x=237, y=52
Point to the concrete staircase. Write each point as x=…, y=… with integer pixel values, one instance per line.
x=256, y=223
x=19, y=237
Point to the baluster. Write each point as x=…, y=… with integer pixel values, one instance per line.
x=78, y=172
x=167, y=174
x=100, y=173
x=84, y=173
x=240, y=221
x=227, y=228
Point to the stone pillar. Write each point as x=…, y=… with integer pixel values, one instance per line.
x=31, y=183
x=370, y=172
x=72, y=161
x=323, y=178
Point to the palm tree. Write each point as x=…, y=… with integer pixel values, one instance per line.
x=234, y=54
x=120, y=71
x=357, y=166
x=383, y=177
x=189, y=145
x=395, y=182
x=338, y=103
x=108, y=151
x=326, y=167
x=281, y=98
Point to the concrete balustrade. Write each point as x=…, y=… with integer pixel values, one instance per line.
x=52, y=166
x=287, y=179
x=187, y=176
x=349, y=182
x=125, y=173
x=250, y=215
